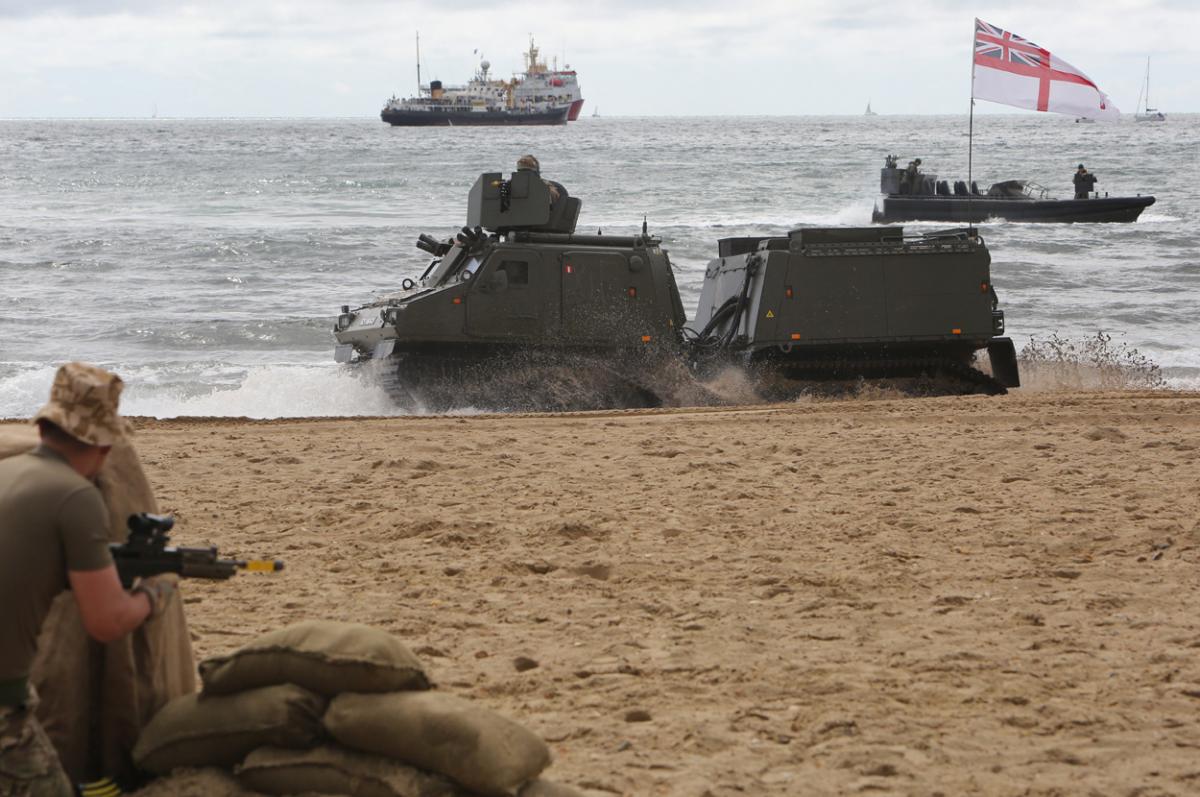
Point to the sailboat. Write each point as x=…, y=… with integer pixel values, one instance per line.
x=1145, y=113
x=869, y=112
x=596, y=113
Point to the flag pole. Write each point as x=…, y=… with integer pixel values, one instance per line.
x=971, y=137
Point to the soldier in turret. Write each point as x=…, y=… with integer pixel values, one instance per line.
x=528, y=163
x=912, y=177
x=1085, y=182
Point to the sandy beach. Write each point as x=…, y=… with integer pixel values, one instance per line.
x=910, y=596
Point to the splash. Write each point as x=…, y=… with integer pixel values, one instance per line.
x=284, y=391
x=1093, y=363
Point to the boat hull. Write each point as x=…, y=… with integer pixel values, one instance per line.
x=981, y=208
x=455, y=118
x=576, y=107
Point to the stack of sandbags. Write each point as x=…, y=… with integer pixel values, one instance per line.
x=340, y=708
x=96, y=698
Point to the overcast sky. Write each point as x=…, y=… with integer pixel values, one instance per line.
x=128, y=58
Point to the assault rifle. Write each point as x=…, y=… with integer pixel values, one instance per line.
x=146, y=554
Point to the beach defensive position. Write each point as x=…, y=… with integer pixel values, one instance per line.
x=53, y=536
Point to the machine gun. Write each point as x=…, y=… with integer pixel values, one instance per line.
x=146, y=554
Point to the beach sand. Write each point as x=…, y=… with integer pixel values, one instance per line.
x=910, y=596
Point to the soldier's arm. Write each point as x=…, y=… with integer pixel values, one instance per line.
x=108, y=611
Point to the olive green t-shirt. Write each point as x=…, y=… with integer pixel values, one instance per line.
x=51, y=520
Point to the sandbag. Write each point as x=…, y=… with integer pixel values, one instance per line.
x=335, y=770
x=17, y=439
x=544, y=788
x=198, y=731
x=471, y=744
x=324, y=656
x=96, y=698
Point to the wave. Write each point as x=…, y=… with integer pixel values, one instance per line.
x=293, y=391
x=273, y=391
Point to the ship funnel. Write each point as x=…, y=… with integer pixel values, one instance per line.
x=435, y=89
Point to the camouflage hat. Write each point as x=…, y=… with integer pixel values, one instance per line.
x=529, y=162
x=83, y=403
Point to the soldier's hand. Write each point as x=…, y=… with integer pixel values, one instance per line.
x=159, y=590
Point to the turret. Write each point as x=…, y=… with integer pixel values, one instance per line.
x=521, y=202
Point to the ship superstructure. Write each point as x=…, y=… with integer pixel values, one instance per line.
x=541, y=95
x=548, y=82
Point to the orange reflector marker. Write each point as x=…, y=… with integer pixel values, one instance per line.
x=983, y=286
x=788, y=291
x=956, y=331
x=645, y=338
x=264, y=566
x=633, y=293
x=569, y=268
x=795, y=336
x=457, y=300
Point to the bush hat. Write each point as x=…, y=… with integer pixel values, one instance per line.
x=83, y=403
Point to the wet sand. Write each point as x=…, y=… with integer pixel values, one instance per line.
x=912, y=596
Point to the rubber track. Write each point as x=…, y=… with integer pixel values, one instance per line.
x=892, y=367
x=816, y=370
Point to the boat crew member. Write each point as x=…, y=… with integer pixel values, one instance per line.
x=912, y=176
x=1085, y=182
x=54, y=531
x=528, y=163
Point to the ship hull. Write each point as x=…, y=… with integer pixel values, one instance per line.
x=576, y=107
x=454, y=118
x=980, y=208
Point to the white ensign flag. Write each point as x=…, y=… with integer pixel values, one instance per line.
x=1015, y=71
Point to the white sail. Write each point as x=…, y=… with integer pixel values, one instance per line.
x=1144, y=112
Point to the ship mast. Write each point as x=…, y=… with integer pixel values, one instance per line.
x=1147, y=84
x=418, y=63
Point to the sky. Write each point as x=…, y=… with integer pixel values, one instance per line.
x=344, y=58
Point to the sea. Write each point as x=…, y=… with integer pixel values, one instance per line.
x=204, y=260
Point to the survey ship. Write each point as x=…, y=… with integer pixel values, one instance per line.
x=541, y=95
x=922, y=197
x=548, y=82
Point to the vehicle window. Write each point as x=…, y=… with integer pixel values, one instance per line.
x=517, y=270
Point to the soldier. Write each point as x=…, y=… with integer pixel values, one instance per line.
x=528, y=163
x=53, y=533
x=1085, y=182
x=912, y=176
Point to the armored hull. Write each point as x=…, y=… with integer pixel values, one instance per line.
x=518, y=312
x=977, y=209
x=871, y=302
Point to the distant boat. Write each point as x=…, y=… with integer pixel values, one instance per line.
x=1145, y=113
x=596, y=113
x=1085, y=120
x=538, y=96
x=917, y=196
x=869, y=112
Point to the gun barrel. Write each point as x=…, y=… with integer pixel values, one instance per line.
x=217, y=569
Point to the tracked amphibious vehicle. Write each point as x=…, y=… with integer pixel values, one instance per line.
x=519, y=312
